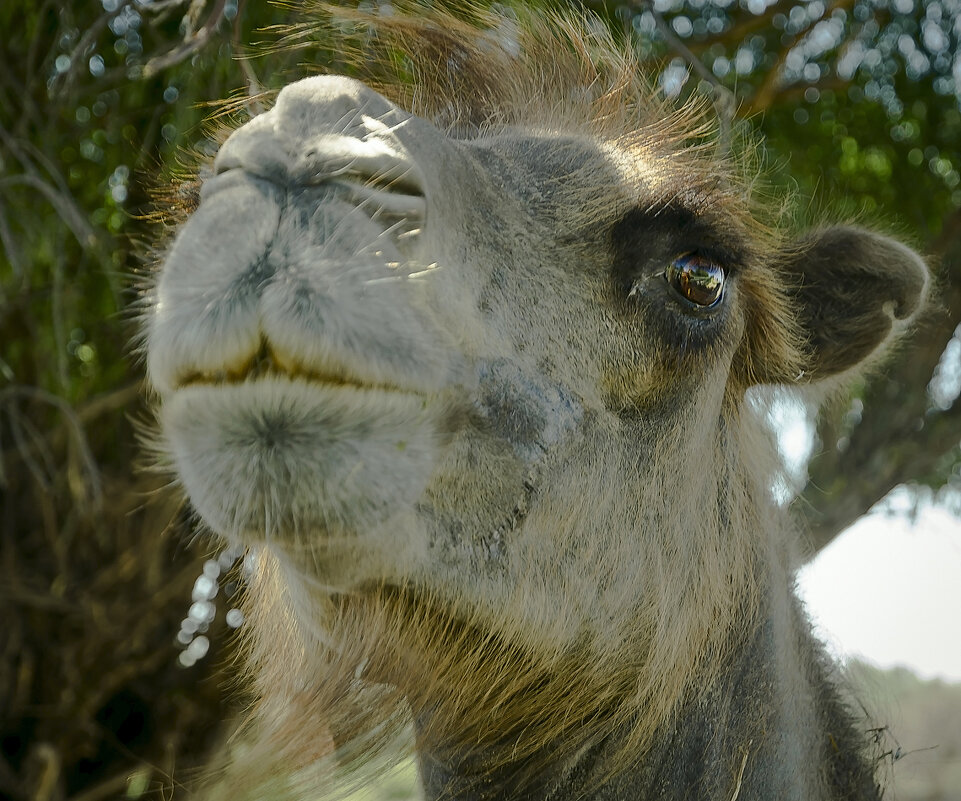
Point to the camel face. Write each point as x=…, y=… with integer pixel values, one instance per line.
x=495, y=367
x=375, y=344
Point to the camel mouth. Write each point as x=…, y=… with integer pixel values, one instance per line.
x=268, y=367
x=399, y=179
x=380, y=195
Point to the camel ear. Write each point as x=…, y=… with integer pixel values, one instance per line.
x=853, y=292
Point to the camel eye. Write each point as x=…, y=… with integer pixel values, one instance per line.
x=697, y=279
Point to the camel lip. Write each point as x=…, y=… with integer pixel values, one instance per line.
x=228, y=378
x=267, y=368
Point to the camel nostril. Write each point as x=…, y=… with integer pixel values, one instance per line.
x=256, y=150
x=371, y=162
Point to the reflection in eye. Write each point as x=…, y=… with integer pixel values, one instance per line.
x=698, y=279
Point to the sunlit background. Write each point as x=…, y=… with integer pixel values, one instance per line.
x=887, y=590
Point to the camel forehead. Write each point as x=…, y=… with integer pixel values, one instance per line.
x=594, y=183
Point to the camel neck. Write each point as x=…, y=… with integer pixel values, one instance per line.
x=761, y=732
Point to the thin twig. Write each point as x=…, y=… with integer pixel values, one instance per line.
x=57, y=314
x=678, y=46
x=20, y=596
x=66, y=79
x=724, y=101
x=50, y=775
x=59, y=195
x=10, y=247
x=743, y=24
x=39, y=443
x=108, y=402
x=740, y=773
x=255, y=87
x=29, y=443
x=769, y=89
x=22, y=106
x=83, y=415
x=190, y=46
x=63, y=205
x=110, y=788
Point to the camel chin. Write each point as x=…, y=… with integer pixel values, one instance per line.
x=281, y=458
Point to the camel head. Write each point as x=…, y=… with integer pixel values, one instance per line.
x=470, y=382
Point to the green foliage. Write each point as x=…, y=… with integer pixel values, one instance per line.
x=89, y=113
x=857, y=99
x=851, y=149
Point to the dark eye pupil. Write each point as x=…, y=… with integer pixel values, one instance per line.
x=696, y=278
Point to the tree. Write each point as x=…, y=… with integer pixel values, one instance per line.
x=94, y=98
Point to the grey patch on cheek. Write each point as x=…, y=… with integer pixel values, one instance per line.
x=525, y=410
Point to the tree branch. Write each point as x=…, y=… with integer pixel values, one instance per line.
x=724, y=102
x=64, y=82
x=190, y=45
x=64, y=206
x=765, y=96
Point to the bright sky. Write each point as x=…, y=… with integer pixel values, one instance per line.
x=890, y=591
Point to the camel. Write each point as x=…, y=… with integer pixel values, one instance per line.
x=464, y=356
